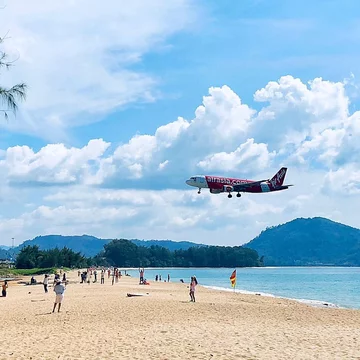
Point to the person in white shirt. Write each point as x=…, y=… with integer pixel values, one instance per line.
x=59, y=289
x=46, y=282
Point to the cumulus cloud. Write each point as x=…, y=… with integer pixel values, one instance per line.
x=223, y=137
x=56, y=164
x=82, y=63
x=307, y=127
x=248, y=155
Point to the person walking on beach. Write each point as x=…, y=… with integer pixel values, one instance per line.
x=168, y=277
x=193, y=284
x=59, y=289
x=46, y=282
x=4, y=288
x=102, y=277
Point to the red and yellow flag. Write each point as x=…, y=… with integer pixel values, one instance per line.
x=233, y=278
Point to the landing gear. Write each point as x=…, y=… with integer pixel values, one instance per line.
x=199, y=192
x=237, y=195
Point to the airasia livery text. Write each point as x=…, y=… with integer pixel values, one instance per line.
x=217, y=184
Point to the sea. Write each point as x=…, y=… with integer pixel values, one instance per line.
x=316, y=286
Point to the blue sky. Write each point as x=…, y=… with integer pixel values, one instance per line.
x=125, y=102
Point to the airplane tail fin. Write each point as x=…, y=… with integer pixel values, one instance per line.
x=278, y=178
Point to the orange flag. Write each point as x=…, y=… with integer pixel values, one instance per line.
x=233, y=278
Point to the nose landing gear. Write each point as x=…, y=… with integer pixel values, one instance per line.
x=199, y=192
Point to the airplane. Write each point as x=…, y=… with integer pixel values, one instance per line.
x=217, y=184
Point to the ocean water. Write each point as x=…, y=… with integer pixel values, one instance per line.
x=318, y=286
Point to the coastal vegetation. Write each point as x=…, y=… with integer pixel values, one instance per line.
x=31, y=257
x=124, y=253
x=6, y=272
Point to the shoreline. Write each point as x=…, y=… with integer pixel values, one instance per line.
x=314, y=303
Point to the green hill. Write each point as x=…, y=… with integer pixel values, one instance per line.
x=311, y=241
x=91, y=245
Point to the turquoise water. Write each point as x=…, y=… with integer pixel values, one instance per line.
x=336, y=286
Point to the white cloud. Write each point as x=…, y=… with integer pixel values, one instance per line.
x=307, y=128
x=345, y=181
x=248, y=155
x=56, y=164
x=77, y=56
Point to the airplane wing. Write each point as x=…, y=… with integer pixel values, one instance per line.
x=244, y=186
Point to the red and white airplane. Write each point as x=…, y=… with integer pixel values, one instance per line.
x=217, y=184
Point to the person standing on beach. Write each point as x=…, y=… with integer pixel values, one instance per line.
x=4, y=288
x=46, y=282
x=141, y=272
x=168, y=277
x=59, y=289
x=193, y=284
x=102, y=277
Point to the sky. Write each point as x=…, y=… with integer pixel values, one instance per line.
x=127, y=100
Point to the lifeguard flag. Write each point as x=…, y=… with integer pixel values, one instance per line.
x=233, y=278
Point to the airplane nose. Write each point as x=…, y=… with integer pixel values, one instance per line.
x=187, y=182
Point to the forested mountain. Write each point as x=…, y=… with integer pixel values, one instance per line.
x=311, y=241
x=90, y=245
x=85, y=244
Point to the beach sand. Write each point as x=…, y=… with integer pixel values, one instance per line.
x=100, y=322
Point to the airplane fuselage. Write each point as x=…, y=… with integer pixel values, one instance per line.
x=218, y=184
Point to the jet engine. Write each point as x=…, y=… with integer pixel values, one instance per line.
x=215, y=191
x=228, y=188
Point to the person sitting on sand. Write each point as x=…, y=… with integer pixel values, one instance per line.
x=193, y=284
x=59, y=289
x=4, y=287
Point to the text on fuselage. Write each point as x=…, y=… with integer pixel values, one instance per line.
x=227, y=181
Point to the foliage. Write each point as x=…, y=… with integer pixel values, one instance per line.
x=124, y=253
x=27, y=272
x=32, y=257
x=10, y=96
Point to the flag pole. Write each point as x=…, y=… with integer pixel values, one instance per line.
x=235, y=282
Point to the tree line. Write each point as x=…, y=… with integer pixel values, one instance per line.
x=124, y=253
x=31, y=257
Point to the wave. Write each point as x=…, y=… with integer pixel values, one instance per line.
x=314, y=303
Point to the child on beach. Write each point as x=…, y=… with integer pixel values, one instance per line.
x=193, y=284
x=4, y=287
x=59, y=291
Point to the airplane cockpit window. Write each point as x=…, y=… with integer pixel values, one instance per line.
x=193, y=178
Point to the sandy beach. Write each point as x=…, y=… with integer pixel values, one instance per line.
x=100, y=322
